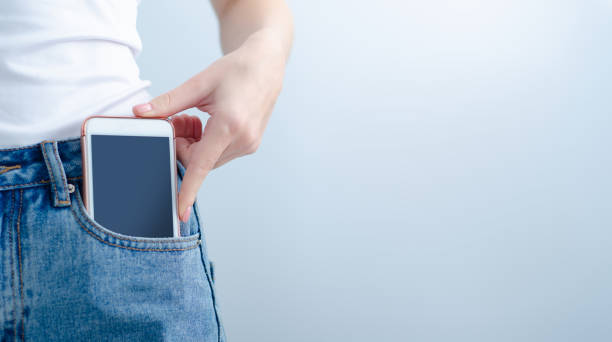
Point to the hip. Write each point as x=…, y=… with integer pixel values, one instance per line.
x=64, y=276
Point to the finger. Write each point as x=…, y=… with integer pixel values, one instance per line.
x=204, y=156
x=197, y=127
x=187, y=126
x=226, y=157
x=182, y=149
x=179, y=124
x=232, y=152
x=222, y=162
x=185, y=96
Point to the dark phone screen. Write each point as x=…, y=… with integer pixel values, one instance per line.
x=132, y=189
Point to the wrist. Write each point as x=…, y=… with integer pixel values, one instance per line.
x=268, y=43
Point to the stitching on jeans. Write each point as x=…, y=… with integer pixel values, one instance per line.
x=17, y=148
x=12, y=261
x=13, y=185
x=61, y=167
x=27, y=147
x=4, y=168
x=57, y=200
x=34, y=145
x=50, y=171
x=20, y=265
x=44, y=181
x=209, y=278
x=94, y=225
x=212, y=291
x=137, y=240
x=133, y=248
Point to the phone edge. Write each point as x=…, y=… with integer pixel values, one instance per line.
x=176, y=222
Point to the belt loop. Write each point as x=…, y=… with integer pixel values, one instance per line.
x=60, y=196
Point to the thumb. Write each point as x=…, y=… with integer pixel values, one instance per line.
x=185, y=96
x=204, y=156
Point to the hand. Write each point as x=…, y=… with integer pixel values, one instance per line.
x=238, y=91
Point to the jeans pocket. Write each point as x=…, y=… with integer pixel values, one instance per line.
x=122, y=288
x=111, y=238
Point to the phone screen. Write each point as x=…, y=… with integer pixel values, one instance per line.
x=132, y=188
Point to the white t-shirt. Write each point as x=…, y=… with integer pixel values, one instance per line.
x=64, y=60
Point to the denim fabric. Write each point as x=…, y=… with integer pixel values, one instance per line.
x=63, y=277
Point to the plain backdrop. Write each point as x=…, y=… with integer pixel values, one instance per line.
x=433, y=171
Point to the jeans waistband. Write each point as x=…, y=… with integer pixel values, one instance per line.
x=48, y=163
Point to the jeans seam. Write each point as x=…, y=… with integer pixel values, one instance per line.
x=5, y=169
x=27, y=147
x=129, y=247
x=136, y=240
x=93, y=224
x=63, y=174
x=14, y=185
x=12, y=256
x=212, y=294
x=22, y=330
x=17, y=148
x=44, y=151
x=208, y=277
x=44, y=181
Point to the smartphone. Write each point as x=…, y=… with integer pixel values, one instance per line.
x=129, y=175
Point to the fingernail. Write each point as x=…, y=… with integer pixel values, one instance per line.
x=185, y=215
x=142, y=108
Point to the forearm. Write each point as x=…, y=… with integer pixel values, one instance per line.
x=265, y=21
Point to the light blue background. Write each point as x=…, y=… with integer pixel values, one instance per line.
x=433, y=171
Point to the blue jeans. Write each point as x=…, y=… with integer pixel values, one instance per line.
x=63, y=277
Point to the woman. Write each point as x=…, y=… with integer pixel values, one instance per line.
x=62, y=276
